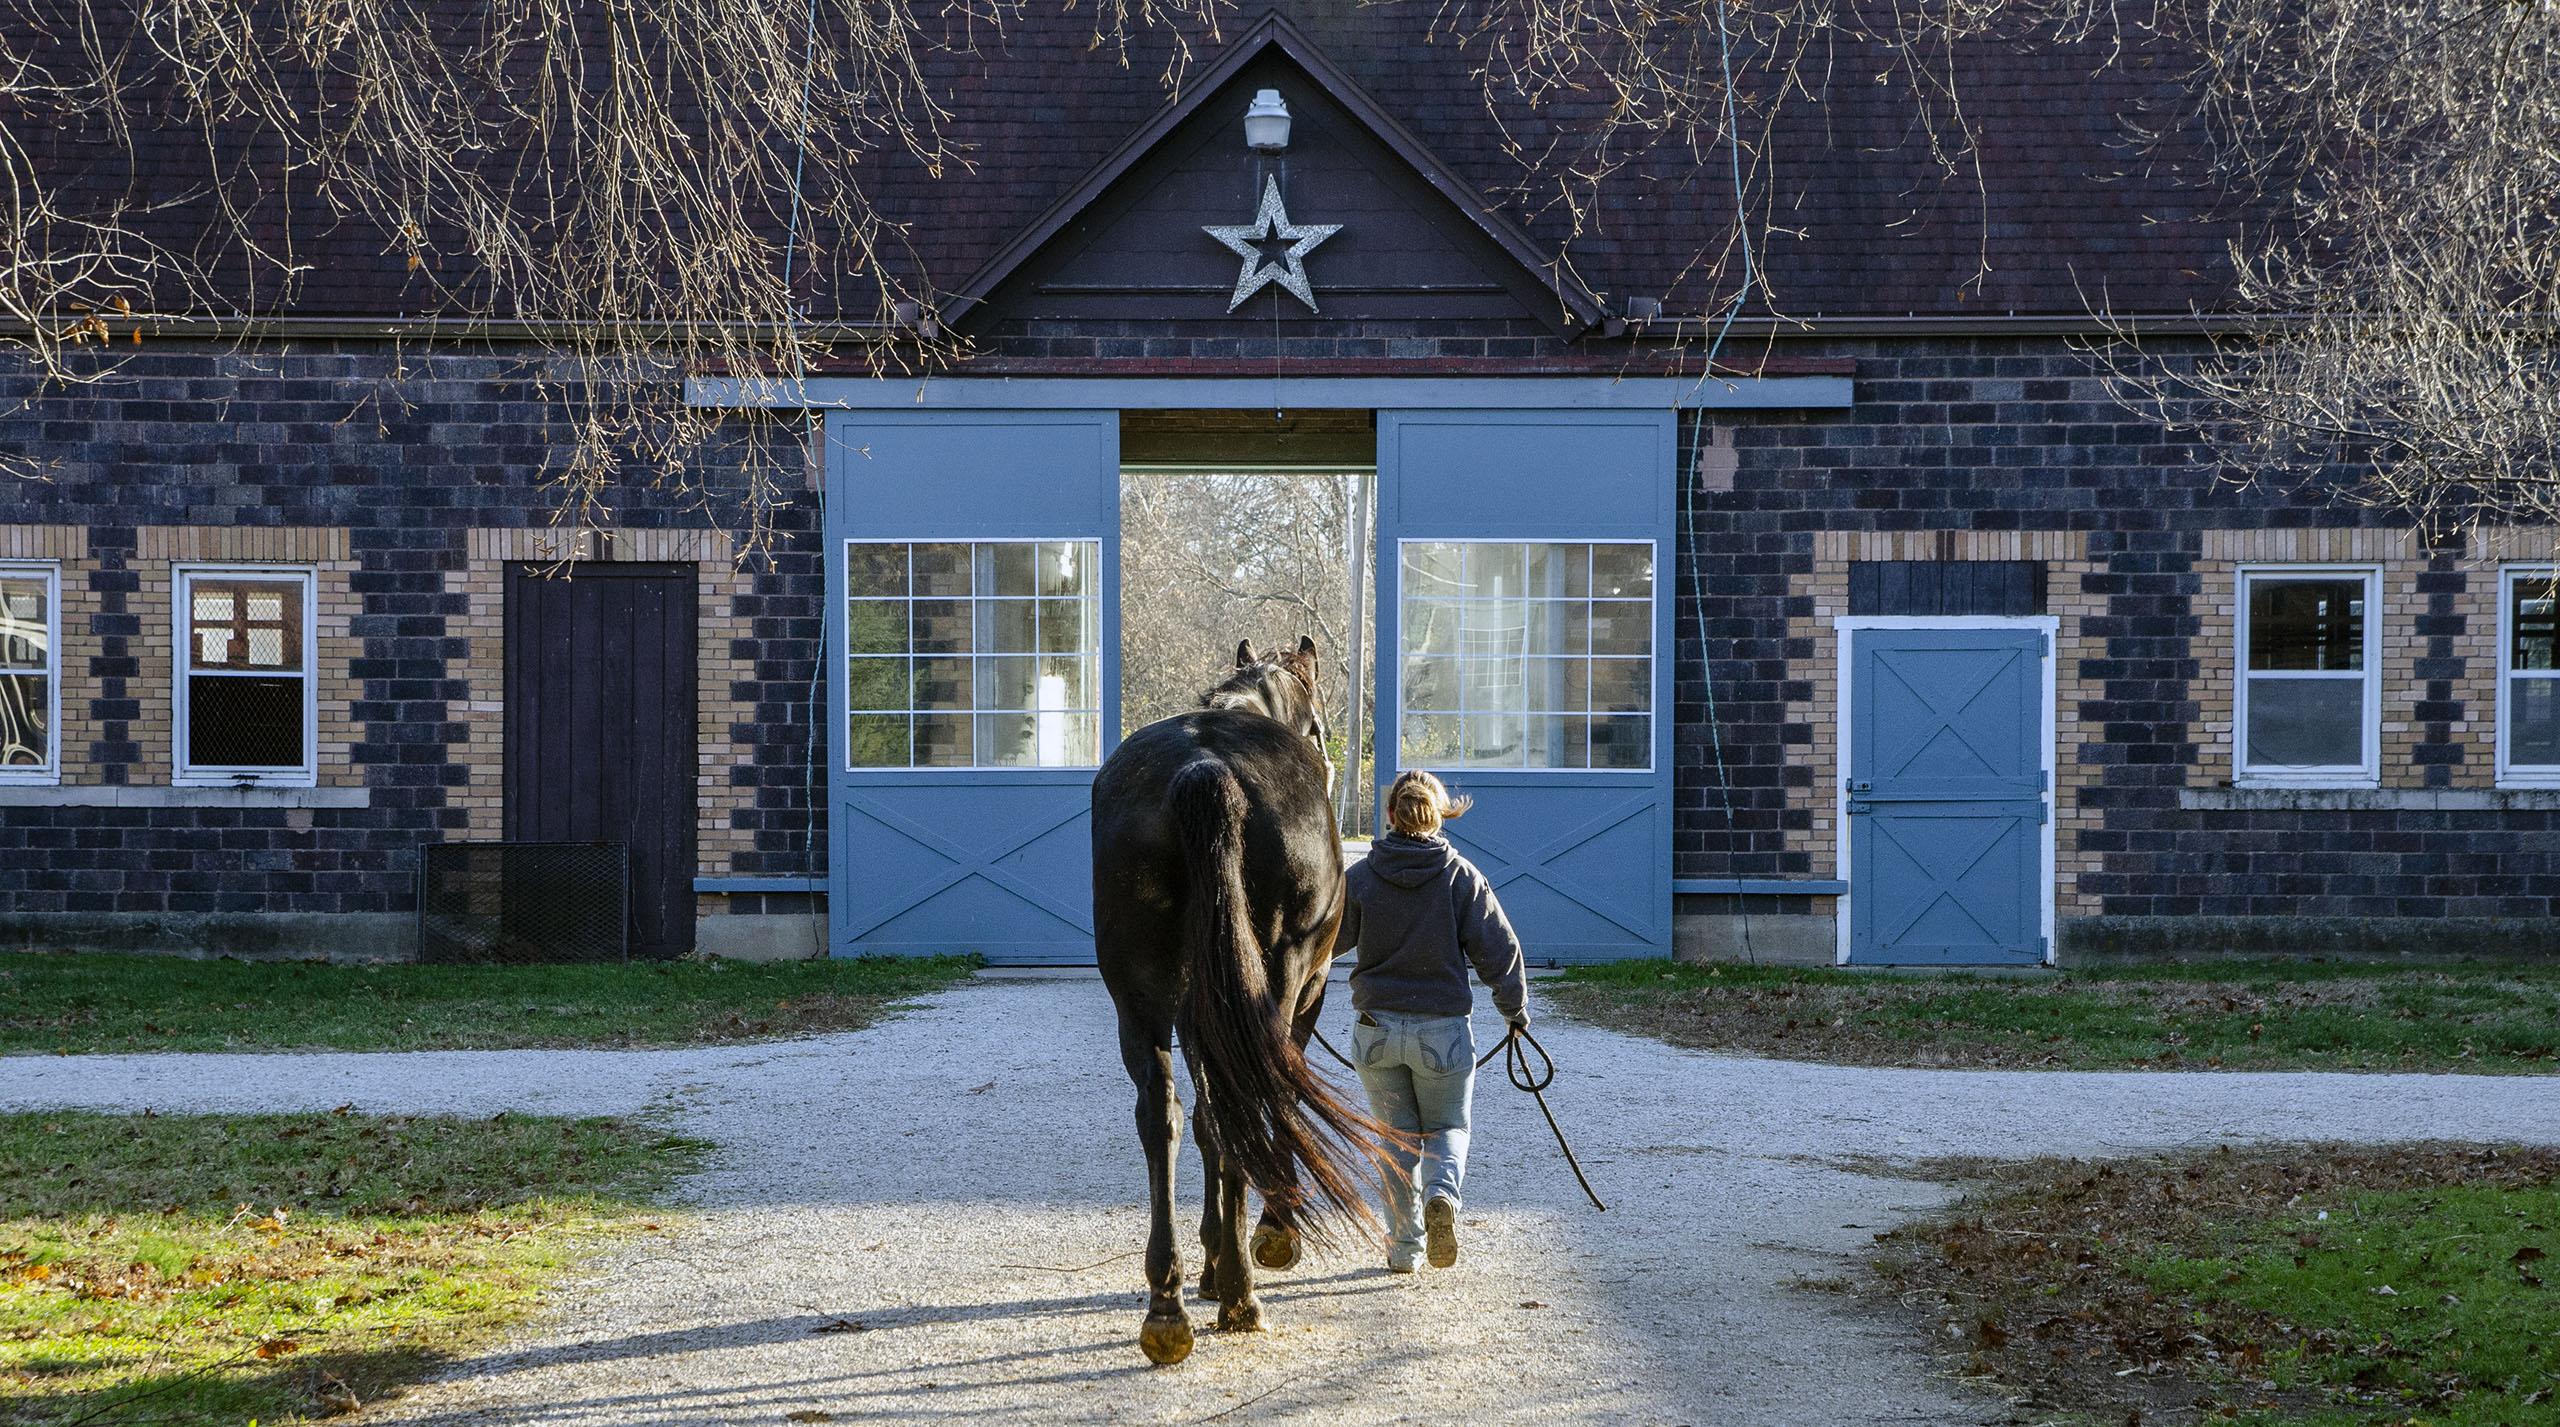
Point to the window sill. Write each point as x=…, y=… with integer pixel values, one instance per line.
x=107, y=795
x=2259, y=797
x=2309, y=782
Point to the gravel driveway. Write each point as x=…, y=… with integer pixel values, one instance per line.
x=963, y=1183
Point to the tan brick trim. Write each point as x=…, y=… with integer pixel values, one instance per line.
x=81, y=606
x=722, y=719
x=482, y=585
x=44, y=542
x=2310, y=547
x=2518, y=545
x=2068, y=570
x=2068, y=599
x=544, y=545
x=324, y=551
x=2402, y=559
x=297, y=545
x=1831, y=547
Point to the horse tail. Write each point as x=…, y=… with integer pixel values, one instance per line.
x=1276, y=1121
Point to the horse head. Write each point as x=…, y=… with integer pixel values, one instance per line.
x=1280, y=687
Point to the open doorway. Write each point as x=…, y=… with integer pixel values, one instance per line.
x=1251, y=525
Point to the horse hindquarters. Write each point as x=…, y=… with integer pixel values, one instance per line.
x=1274, y=1119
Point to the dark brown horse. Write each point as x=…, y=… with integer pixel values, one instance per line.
x=1217, y=887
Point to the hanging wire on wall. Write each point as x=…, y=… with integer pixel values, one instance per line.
x=1693, y=493
x=813, y=851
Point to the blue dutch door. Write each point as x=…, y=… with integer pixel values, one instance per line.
x=1524, y=620
x=972, y=566
x=1946, y=796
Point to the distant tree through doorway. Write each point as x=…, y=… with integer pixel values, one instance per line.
x=1208, y=559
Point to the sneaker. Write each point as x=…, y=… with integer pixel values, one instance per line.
x=1440, y=1227
x=1404, y=1258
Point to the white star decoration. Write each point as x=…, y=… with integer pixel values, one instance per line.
x=1273, y=221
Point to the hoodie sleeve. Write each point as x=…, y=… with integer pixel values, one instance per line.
x=1490, y=943
x=1347, y=937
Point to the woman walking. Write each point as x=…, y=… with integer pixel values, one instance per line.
x=1419, y=914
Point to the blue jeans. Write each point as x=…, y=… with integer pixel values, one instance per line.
x=1421, y=1076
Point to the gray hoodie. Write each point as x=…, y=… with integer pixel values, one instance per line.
x=1419, y=913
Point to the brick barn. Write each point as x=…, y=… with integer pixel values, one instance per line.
x=1895, y=640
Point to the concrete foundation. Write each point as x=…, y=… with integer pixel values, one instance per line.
x=2088, y=941
x=277, y=936
x=1773, y=939
x=773, y=937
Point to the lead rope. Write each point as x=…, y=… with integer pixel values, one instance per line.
x=1515, y=1066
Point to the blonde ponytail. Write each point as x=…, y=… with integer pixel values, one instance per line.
x=1417, y=803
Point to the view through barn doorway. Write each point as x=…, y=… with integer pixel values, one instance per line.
x=1251, y=525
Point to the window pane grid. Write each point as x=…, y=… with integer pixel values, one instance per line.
x=2530, y=721
x=247, y=691
x=27, y=647
x=973, y=654
x=2306, y=675
x=1526, y=654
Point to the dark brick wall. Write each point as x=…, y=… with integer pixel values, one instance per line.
x=2020, y=434
x=407, y=450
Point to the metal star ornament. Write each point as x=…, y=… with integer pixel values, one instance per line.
x=1272, y=222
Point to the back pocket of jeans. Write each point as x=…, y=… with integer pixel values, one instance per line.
x=1449, y=1048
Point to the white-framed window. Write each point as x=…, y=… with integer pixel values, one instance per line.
x=2529, y=676
x=2307, y=701
x=30, y=673
x=247, y=709
x=973, y=654
x=1525, y=654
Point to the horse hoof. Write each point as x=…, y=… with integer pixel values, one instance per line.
x=1243, y=1317
x=1165, y=1341
x=1209, y=1286
x=1275, y=1247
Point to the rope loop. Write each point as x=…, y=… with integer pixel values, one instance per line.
x=1516, y=1068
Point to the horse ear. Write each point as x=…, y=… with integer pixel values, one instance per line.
x=1244, y=653
x=1307, y=646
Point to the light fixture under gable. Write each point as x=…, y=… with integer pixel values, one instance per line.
x=1266, y=123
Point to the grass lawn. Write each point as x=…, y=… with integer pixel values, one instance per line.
x=220, y=1269
x=2295, y=1287
x=129, y=1003
x=2236, y=1015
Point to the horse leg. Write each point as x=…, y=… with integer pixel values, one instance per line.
x=1212, y=1218
x=1227, y=1275
x=1238, y=1310
x=1147, y=1052
x=1276, y=1241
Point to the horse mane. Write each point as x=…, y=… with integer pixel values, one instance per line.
x=1244, y=688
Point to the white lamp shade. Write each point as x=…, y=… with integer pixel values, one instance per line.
x=1266, y=122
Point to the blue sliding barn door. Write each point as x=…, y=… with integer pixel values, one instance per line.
x=1946, y=796
x=1524, y=635
x=974, y=634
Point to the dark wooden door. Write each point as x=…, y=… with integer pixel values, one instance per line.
x=600, y=727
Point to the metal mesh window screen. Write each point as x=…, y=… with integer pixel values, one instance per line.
x=244, y=723
x=524, y=902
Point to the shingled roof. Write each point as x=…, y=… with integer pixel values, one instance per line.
x=2065, y=213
